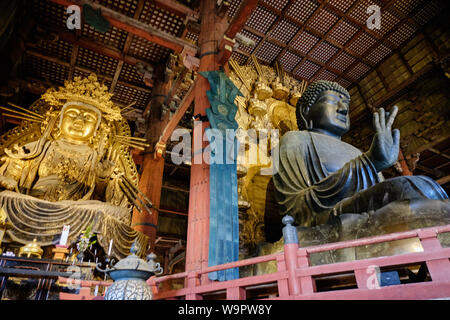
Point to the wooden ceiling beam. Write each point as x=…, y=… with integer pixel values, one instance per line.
x=404, y=61
x=362, y=28
x=345, y=15
x=379, y=42
x=309, y=30
x=241, y=17
x=176, y=85
x=339, y=21
x=73, y=60
x=173, y=123
x=135, y=26
x=272, y=26
x=434, y=172
x=74, y=56
x=443, y=180
x=99, y=48
x=431, y=45
x=390, y=94
x=177, y=8
x=298, y=33
x=126, y=47
x=33, y=86
x=439, y=153
x=83, y=69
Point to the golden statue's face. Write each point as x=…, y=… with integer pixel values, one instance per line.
x=78, y=123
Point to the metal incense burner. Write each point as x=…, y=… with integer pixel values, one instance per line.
x=130, y=275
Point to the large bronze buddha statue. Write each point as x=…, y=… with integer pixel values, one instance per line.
x=319, y=175
x=335, y=192
x=71, y=167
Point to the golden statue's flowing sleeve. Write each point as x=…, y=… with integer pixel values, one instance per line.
x=303, y=187
x=11, y=167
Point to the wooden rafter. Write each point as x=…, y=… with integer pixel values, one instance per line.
x=102, y=49
x=345, y=15
x=379, y=42
x=177, y=8
x=343, y=48
x=304, y=27
x=439, y=153
x=176, y=85
x=382, y=78
x=184, y=106
x=73, y=59
x=135, y=26
x=432, y=144
x=265, y=36
x=322, y=38
x=298, y=33
x=363, y=97
x=443, y=180
x=83, y=69
x=362, y=28
x=404, y=62
x=434, y=172
x=126, y=47
x=241, y=17
x=430, y=44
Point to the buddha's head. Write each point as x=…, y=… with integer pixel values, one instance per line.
x=79, y=121
x=324, y=106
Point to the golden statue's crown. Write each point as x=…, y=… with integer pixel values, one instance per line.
x=87, y=90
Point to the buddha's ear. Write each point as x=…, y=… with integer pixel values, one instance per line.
x=307, y=124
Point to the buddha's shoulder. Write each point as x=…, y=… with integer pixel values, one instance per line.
x=295, y=137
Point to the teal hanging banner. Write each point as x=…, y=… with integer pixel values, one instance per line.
x=224, y=221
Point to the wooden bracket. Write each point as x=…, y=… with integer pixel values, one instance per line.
x=160, y=148
x=189, y=59
x=225, y=50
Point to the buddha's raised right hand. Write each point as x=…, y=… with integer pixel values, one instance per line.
x=385, y=145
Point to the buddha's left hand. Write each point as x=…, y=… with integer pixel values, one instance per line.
x=106, y=167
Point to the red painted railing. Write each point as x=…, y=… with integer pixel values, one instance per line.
x=85, y=289
x=294, y=277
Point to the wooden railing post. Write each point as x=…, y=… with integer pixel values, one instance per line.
x=192, y=281
x=283, y=287
x=236, y=293
x=290, y=254
x=439, y=269
x=307, y=283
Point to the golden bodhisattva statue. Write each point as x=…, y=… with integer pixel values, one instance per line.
x=68, y=163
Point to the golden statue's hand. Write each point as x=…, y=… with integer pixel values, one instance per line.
x=106, y=167
x=8, y=183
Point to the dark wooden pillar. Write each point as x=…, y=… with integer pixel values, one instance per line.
x=211, y=33
x=152, y=169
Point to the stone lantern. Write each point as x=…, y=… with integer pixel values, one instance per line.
x=130, y=275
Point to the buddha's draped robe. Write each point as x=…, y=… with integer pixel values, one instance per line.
x=37, y=215
x=307, y=191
